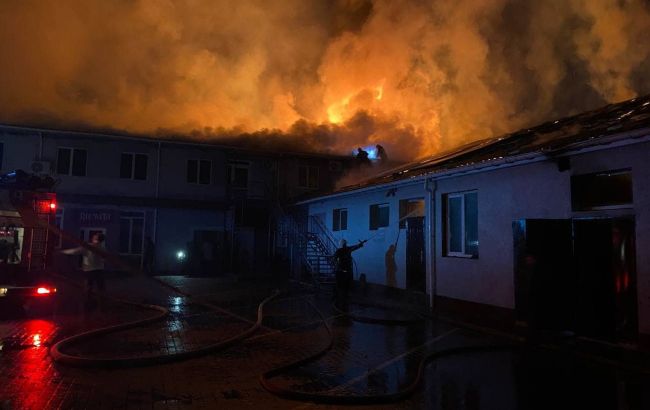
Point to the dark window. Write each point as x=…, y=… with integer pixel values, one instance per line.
x=238, y=174
x=79, y=162
x=133, y=166
x=63, y=161
x=461, y=224
x=409, y=208
x=2, y=151
x=308, y=177
x=140, y=167
x=604, y=189
x=126, y=166
x=199, y=171
x=205, y=172
x=379, y=216
x=340, y=219
x=71, y=161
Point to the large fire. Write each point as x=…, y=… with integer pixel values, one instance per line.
x=416, y=75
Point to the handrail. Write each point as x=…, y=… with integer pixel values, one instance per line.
x=324, y=234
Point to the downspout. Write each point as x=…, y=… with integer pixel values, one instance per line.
x=40, y=146
x=155, y=210
x=430, y=187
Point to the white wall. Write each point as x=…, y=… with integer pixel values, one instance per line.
x=370, y=259
x=536, y=190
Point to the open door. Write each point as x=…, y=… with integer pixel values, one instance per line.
x=415, y=255
x=606, y=288
x=544, y=276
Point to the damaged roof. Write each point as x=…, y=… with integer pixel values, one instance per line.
x=551, y=138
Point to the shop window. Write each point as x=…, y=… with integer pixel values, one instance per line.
x=133, y=166
x=71, y=161
x=199, y=171
x=308, y=177
x=409, y=208
x=611, y=189
x=131, y=233
x=340, y=219
x=461, y=224
x=379, y=216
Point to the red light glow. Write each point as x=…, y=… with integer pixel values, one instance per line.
x=45, y=291
x=52, y=205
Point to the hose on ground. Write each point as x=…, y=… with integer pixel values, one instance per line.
x=338, y=399
x=56, y=351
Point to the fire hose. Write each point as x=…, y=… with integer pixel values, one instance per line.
x=56, y=351
x=327, y=397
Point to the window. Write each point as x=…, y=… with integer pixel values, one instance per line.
x=58, y=222
x=238, y=174
x=308, y=177
x=461, y=224
x=133, y=166
x=379, y=216
x=71, y=161
x=2, y=151
x=131, y=233
x=409, y=208
x=609, y=189
x=199, y=171
x=340, y=219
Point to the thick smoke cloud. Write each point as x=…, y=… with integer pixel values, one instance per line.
x=325, y=75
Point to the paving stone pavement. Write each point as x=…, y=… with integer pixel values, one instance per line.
x=365, y=359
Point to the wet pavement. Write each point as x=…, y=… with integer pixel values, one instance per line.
x=365, y=359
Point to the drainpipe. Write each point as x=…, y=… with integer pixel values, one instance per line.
x=430, y=205
x=155, y=210
x=40, y=146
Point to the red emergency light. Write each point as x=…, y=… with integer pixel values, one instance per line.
x=46, y=206
x=43, y=290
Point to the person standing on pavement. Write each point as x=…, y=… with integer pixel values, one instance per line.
x=343, y=264
x=92, y=265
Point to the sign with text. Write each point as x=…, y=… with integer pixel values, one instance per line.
x=98, y=217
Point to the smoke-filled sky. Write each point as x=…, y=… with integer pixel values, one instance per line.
x=417, y=76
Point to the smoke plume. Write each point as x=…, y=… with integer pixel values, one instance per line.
x=326, y=75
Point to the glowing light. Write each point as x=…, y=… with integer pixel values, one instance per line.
x=181, y=255
x=371, y=150
x=36, y=340
x=380, y=90
x=45, y=291
x=52, y=205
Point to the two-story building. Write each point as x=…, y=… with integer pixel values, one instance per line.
x=169, y=205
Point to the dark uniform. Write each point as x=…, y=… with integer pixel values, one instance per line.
x=343, y=263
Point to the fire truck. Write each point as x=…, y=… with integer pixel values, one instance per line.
x=27, y=208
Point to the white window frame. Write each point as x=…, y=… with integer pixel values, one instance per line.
x=309, y=169
x=463, y=253
x=379, y=206
x=232, y=166
x=130, y=244
x=69, y=172
x=60, y=214
x=132, y=177
x=347, y=214
x=198, y=171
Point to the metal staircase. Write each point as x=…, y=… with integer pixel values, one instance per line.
x=319, y=252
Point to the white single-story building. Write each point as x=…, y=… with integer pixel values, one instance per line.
x=547, y=226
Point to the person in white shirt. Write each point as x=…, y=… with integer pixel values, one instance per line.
x=92, y=265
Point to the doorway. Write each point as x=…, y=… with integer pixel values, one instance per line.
x=415, y=254
x=577, y=275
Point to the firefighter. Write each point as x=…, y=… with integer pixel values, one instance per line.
x=343, y=263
